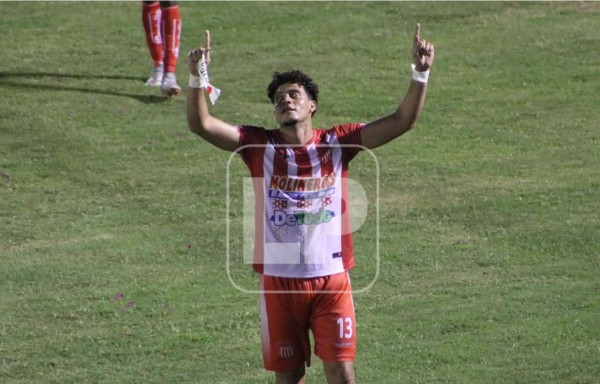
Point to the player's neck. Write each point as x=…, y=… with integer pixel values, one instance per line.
x=297, y=134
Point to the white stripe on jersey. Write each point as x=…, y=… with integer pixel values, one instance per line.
x=315, y=162
x=292, y=166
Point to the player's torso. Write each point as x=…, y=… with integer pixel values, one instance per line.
x=302, y=208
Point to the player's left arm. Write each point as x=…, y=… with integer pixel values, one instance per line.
x=404, y=118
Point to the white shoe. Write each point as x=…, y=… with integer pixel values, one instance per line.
x=169, y=85
x=156, y=77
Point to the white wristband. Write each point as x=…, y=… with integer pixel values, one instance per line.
x=421, y=77
x=194, y=81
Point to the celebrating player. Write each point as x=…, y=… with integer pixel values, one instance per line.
x=303, y=246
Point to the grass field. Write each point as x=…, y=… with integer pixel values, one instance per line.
x=112, y=215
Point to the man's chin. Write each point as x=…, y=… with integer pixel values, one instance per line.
x=288, y=123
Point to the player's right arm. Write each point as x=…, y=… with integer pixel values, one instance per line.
x=200, y=121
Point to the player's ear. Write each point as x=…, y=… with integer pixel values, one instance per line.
x=313, y=106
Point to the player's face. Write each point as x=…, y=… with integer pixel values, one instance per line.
x=292, y=104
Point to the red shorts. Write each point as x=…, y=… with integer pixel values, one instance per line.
x=323, y=305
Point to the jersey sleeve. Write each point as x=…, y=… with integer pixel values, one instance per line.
x=251, y=144
x=350, y=136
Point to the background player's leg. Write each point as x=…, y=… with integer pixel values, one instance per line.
x=171, y=23
x=151, y=16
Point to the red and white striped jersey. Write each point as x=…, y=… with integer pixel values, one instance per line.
x=302, y=217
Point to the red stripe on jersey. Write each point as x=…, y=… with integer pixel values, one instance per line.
x=305, y=168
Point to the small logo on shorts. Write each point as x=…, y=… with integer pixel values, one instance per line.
x=286, y=351
x=336, y=255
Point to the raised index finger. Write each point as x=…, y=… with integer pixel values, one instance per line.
x=418, y=33
x=207, y=39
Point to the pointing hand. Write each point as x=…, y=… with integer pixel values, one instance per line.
x=423, y=52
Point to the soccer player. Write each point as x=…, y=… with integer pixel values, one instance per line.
x=162, y=25
x=303, y=249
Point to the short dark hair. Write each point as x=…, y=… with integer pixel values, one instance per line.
x=295, y=77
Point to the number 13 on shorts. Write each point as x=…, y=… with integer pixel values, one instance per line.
x=345, y=327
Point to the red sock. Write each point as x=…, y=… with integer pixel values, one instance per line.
x=151, y=15
x=172, y=32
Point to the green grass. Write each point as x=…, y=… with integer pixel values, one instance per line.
x=112, y=215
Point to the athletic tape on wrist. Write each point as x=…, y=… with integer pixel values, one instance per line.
x=421, y=77
x=202, y=81
x=194, y=81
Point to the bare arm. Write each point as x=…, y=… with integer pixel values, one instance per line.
x=404, y=118
x=200, y=121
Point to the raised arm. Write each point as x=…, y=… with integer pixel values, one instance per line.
x=403, y=119
x=200, y=121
